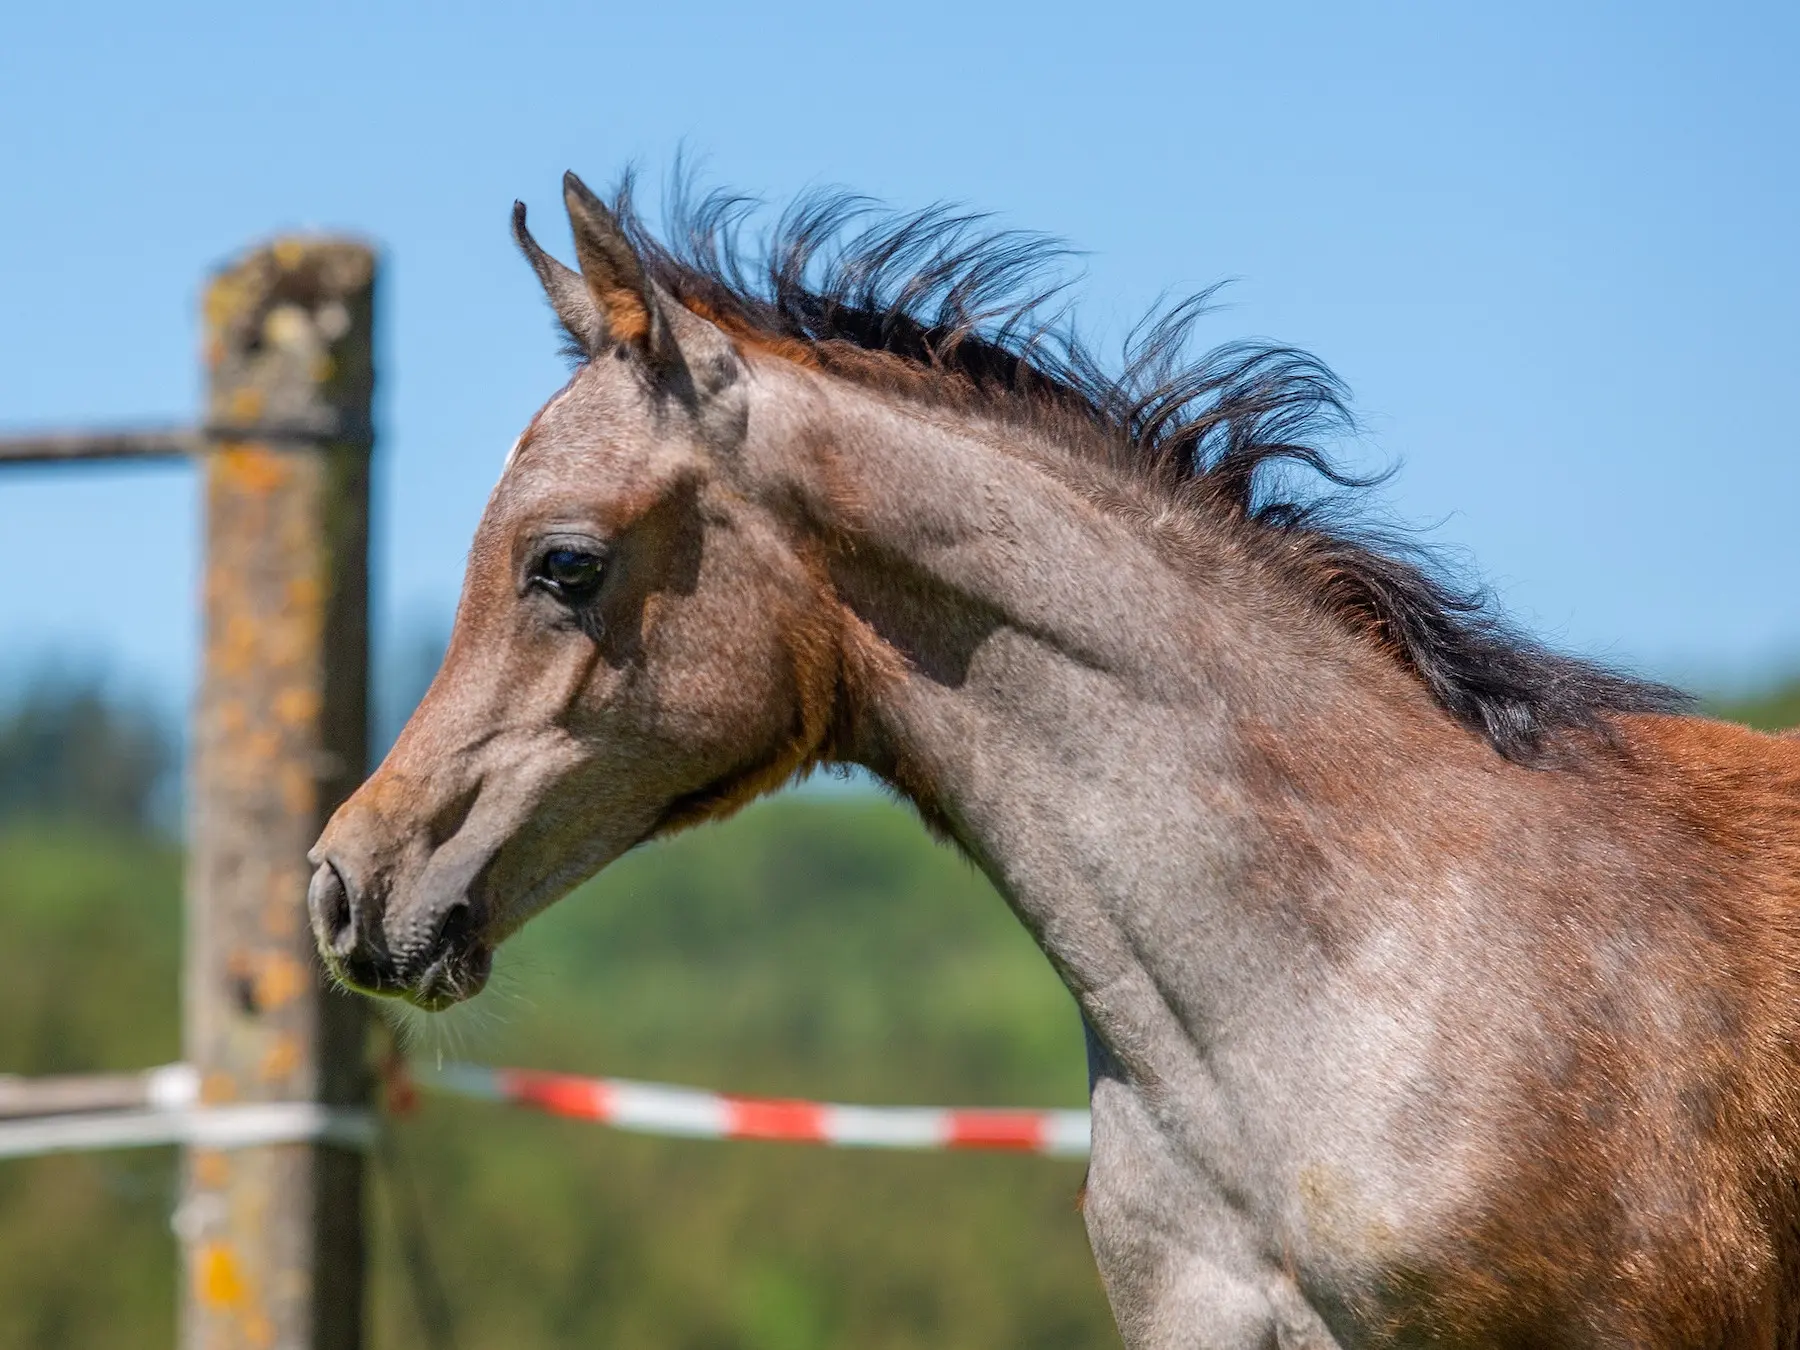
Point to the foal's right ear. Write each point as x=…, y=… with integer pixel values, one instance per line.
x=626, y=302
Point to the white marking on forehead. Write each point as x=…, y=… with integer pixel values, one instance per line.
x=512, y=454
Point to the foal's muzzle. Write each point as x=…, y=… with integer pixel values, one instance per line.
x=437, y=960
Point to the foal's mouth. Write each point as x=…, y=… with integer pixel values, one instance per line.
x=450, y=979
x=457, y=973
x=433, y=965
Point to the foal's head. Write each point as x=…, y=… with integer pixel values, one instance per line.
x=636, y=647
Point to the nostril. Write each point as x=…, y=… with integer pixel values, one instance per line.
x=334, y=916
x=457, y=927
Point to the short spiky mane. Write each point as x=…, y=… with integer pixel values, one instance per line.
x=937, y=304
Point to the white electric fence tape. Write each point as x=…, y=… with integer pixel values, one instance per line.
x=173, y=1116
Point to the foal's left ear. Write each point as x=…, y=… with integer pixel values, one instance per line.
x=625, y=302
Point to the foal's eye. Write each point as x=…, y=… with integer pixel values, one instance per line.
x=569, y=573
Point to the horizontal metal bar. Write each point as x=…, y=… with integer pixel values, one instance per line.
x=165, y=1087
x=161, y=443
x=75, y=1112
x=61, y=447
x=71, y=1092
x=251, y=1125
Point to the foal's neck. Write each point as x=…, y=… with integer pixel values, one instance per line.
x=1103, y=718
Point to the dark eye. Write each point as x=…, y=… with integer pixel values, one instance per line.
x=569, y=573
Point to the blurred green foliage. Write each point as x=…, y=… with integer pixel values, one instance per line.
x=819, y=945
x=815, y=946
x=90, y=939
x=1774, y=709
x=68, y=748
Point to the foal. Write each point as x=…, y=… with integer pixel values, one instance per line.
x=1439, y=990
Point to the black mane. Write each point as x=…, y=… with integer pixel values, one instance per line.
x=946, y=295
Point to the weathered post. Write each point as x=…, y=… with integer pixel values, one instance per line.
x=272, y=1234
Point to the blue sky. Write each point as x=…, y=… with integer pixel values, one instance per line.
x=1552, y=248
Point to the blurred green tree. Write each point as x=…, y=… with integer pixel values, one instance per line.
x=70, y=750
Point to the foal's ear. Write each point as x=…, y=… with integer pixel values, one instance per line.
x=624, y=300
x=610, y=301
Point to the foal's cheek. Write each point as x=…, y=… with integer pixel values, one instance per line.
x=719, y=673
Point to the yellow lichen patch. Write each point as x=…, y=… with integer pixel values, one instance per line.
x=225, y=298
x=293, y=643
x=279, y=980
x=234, y=650
x=219, y=1283
x=297, y=705
x=280, y=1060
x=250, y=469
x=212, y=1168
x=297, y=790
x=218, y=1086
x=288, y=253
x=260, y=747
x=305, y=593
x=244, y=405
x=281, y=918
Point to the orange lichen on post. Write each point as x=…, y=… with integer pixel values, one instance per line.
x=218, y=1279
x=298, y=705
x=249, y=468
x=280, y=1060
x=299, y=789
x=244, y=406
x=280, y=980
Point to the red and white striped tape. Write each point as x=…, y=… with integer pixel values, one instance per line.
x=657, y=1108
x=171, y=1113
